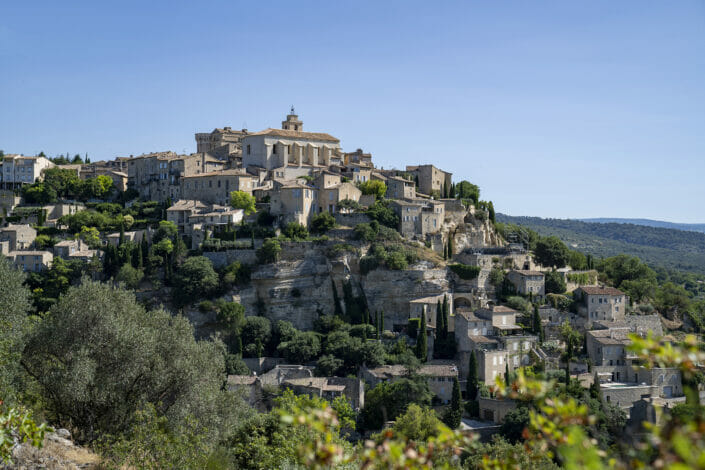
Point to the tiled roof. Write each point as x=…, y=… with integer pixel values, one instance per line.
x=601, y=290
x=320, y=383
x=297, y=135
x=526, y=272
x=241, y=379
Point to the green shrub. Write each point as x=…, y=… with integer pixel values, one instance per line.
x=322, y=222
x=295, y=231
x=465, y=271
x=368, y=263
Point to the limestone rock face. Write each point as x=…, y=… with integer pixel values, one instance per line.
x=391, y=291
x=296, y=291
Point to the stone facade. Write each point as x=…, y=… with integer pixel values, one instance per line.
x=20, y=237
x=18, y=170
x=601, y=303
x=431, y=179
x=526, y=282
x=439, y=374
x=215, y=187
x=31, y=261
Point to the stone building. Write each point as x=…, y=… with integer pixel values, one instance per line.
x=20, y=237
x=439, y=374
x=431, y=179
x=420, y=217
x=358, y=157
x=330, y=196
x=292, y=201
x=31, y=261
x=221, y=143
x=18, y=170
x=215, y=187
x=429, y=307
x=601, y=303
x=329, y=388
x=527, y=282
x=289, y=146
x=496, y=339
x=400, y=188
x=157, y=176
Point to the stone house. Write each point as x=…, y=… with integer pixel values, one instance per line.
x=221, y=142
x=329, y=388
x=601, y=303
x=439, y=374
x=430, y=178
x=20, y=237
x=289, y=146
x=357, y=174
x=400, y=188
x=420, y=217
x=495, y=409
x=330, y=196
x=157, y=176
x=358, y=157
x=181, y=210
x=293, y=202
x=250, y=387
x=31, y=261
x=429, y=307
x=531, y=283
x=18, y=170
x=66, y=248
x=283, y=372
x=134, y=236
x=215, y=187
x=497, y=340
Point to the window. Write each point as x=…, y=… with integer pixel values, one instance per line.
x=501, y=360
x=274, y=148
x=248, y=149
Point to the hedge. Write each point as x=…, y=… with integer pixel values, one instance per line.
x=465, y=271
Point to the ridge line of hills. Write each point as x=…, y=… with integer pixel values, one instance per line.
x=657, y=246
x=648, y=223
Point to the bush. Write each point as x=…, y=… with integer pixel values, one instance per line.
x=295, y=231
x=396, y=260
x=554, y=283
x=367, y=264
x=322, y=222
x=365, y=232
x=269, y=251
x=130, y=276
x=383, y=214
x=374, y=187
x=196, y=279
x=465, y=271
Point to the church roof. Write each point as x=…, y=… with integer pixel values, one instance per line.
x=297, y=135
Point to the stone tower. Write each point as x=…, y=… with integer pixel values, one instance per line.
x=292, y=122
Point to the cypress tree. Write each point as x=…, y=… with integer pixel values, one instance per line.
x=122, y=234
x=506, y=371
x=455, y=413
x=473, y=380
x=421, y=348
x=336, y=300
x=595, y=387
x=381, y=322
x=445, y=251
x=446, y=313
x=450, y=246
x=439, y=317
x=237, y=347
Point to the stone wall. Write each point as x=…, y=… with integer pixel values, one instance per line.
x=224, y=258
x=495, y=410
x=351, y=220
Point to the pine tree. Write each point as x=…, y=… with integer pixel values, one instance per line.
x=473, y=380
x=454, y=414
x=421, y=349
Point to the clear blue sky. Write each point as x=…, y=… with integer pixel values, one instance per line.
x=555, y=109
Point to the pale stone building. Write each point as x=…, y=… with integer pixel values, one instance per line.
x=292, y=201
x=215, y=187
x=330, y=388
x=400, y=188
x=601, y=303
x=157, y=176
x=330, y=196
x=20, y=237
x=528, y=282
x=221, y=143
x=439, y=374
x=419, y=217
x=18, y=170
x=429, y=307
x=289, y=146
x=358, y=157
x=431, y=179
x=31, y=261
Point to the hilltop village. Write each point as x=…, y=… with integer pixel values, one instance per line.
x=327, y=275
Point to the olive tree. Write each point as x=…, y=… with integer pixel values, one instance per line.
x=99, y=356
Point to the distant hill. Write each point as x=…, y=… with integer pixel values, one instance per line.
x=650, y=223
x=669, y=248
